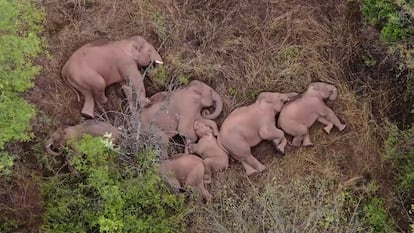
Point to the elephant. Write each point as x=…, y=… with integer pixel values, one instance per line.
x=215, y=158
x=246, y=126
x=94, y=66
x=174, y=113
x=75, y=133
x=185, y=170
x=298, y=115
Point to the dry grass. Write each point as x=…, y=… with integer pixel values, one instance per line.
x=240, y=48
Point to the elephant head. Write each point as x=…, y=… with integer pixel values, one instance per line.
x=54, y=142
x=208, y=98
x=275, y=99
x=143, y=52
x=204, y=126
x=322, y=89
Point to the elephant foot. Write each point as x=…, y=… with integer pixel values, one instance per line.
x=87, y=115
x=308, y=144
x=251, y=172
x=296, y=143
x=327, y=129
x=342, y=127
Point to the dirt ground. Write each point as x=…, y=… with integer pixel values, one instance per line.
x=239, y=48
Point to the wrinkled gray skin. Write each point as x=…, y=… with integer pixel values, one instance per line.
x=215, y=158
x=91, y=127
x=95, y=66
x=297, y=116
x=175, y=113
x=246, y=126
x=185, y=170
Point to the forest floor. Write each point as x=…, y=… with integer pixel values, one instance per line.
x=240, y=48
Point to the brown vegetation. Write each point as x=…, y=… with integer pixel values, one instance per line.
x=240, y=48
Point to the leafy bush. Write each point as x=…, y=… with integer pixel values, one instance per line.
x=388, y=16
x=400, y=151
x=376, y=217
x=20, y=24
x=107, y=194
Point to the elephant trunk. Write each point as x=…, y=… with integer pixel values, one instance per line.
x=218, y=107
x=49, y=149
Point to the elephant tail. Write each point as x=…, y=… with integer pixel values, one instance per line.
x=66, y=80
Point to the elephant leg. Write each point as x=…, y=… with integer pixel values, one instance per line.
x=204, y=192
x=137, y=83
x=307, y=140
x=208, y=164
x=328, y=124
x=297, y=140
x=99, y=95
x=331, y=116
x=174, y=183
x=196, y=179
x=248, y=168
x=275, y=135
x=254, y=163
x=163, y=140
x=89, y=105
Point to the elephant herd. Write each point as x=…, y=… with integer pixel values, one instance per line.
x=186, y=112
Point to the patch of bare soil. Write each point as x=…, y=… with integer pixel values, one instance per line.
x=240, y=48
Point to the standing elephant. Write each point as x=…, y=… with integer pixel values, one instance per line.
x=75, y=133
x=248, y=125
x=215, y=158
x=175, y=113
x=183, y=170
x=95, y=66
x=299, y=114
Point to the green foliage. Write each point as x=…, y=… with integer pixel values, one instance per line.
x=377, y=11
x=389, y=17
x=394, y=29
x=107, y=194
x=400, y=151
x=6, y=164
x=20, y=24
x=376, y=217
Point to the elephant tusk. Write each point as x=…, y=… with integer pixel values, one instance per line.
x=48, y=145
x=159, y=62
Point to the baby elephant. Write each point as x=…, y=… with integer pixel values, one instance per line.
x=299, y=114
x=185, y=170
x=215, y=158
x=91, y=127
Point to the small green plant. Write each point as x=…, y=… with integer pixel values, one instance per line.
x=107, y=194
x=376, y=217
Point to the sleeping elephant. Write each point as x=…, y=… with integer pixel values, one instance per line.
x=175, y=113
x=299, y=114
x=185, y=170
x=248, y=125
x=95, y=66
x=215, y=158
x=75, y=133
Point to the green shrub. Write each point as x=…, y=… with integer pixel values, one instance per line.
x=376, y=217
x=389, y=17
x=394, y=29
x=20, y=24
x=400, y=151
x=106, y=194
